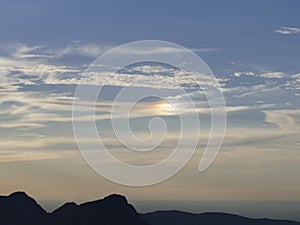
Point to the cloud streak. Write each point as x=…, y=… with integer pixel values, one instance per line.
x=287, y=30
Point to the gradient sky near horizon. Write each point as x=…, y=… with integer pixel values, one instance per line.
x=253, y=48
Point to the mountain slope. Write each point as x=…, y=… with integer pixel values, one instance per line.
x=179, y=218
x=113, y=209
x=20, y=209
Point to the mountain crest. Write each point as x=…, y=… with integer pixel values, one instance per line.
x=116, y=198
x=20, y=209
x=20, y=195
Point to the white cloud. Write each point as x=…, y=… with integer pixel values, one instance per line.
x=287, y=120
x=246, y=73
x=16, y=156
x=33, y=142
x=254, y=90
x=29, y=61
x=271, y=74
x=277, y=75
x=35, y=109
x=25, y=60
x=146, y=50
x=31, y=52
x=287, y=30
x=294, y=83
x=90, y=50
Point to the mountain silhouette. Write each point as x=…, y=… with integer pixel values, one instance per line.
x=113, y=209
x=211, y=218
x=20, y=209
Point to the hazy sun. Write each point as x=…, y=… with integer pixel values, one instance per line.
x=164, y=108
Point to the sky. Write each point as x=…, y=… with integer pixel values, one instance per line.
x=252, y=47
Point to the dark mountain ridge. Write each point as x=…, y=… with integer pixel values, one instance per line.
x=20, y=209
x=209, y=218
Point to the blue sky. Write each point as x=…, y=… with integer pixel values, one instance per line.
x=242, y=29
x=251, y=46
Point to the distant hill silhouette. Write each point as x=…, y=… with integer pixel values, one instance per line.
x=211, y=218
x=20, y=209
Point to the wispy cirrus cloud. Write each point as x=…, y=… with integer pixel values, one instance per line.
x=33, y=107
x=78, y=49
x=273, y=74
x=16, y=156
x=287, y=120
x=287, y=30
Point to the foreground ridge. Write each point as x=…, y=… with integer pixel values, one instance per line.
x=20, y=209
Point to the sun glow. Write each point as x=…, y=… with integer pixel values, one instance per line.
x=164, y=108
